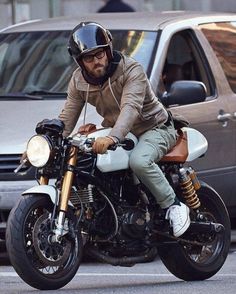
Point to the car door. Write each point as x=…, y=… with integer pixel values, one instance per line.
x=190, y=61
x=222, y=38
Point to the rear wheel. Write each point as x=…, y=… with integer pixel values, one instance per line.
x=189, y=261
x=41, y=263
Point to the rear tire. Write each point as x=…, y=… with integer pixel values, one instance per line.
x=193, y=262
x=40, y=263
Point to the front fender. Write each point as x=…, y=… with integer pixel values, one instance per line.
x=51, y=191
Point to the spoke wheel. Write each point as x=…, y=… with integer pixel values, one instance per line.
x=50, y=253
x=40, y=261
x=189, y=261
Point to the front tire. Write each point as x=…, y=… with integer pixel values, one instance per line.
x=40, y=263
x=193, y=262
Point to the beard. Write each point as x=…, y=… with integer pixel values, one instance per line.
x=98, y=70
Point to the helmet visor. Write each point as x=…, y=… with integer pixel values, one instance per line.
x=90, y=37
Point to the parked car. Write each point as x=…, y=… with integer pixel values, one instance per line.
x=35, y=69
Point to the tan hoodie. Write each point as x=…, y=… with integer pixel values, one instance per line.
x=126, y=101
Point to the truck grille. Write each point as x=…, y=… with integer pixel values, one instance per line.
x=8, y=163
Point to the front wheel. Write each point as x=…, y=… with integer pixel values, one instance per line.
x=189, y=261
x=42, y=264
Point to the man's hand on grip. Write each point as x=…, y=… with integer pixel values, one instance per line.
x=101, y=144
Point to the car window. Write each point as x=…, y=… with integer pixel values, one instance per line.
x=137, y=44
x=222, y=37
x=39, y=61
x=34, y=61
x=185, y=61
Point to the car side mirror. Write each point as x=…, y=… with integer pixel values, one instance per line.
x=184, y=92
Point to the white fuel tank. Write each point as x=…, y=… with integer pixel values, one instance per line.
x=112, y=160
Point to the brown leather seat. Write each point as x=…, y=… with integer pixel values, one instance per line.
x=179, y=152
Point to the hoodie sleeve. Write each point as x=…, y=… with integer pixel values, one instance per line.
x=132, y=100
x=72, y=108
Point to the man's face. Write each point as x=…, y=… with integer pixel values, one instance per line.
x=96, y=62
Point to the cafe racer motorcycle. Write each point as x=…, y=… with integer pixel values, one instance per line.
x=89, y=204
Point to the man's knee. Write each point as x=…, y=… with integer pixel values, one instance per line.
x=139, y=164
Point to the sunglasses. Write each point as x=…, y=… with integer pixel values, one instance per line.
x=90, y=57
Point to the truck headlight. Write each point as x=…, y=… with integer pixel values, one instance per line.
x=38, y=150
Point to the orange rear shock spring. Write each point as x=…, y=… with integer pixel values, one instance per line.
x=188, y=190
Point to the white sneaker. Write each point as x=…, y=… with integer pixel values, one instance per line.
x=178, y=215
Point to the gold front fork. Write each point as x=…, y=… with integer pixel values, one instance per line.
x=43, y=180
x=68, y=180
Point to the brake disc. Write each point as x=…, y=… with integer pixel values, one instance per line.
x=50, y=253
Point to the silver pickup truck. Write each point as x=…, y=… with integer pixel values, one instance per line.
x=173, y=47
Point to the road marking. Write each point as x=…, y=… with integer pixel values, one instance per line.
x=13, y=274
x=8, y=274
x=123, y=275
x=140, y=274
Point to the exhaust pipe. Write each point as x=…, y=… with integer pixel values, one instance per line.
x=121, y=261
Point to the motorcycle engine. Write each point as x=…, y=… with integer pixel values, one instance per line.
x=132, y=233
x=133, y=224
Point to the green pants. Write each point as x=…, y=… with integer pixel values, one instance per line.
x=152, y=146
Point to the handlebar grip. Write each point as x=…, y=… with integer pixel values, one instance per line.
x=113, y=147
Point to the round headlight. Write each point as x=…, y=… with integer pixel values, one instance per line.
x=38, y=150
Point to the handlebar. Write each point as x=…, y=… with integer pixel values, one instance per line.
x=86, y=144
x=127, y=144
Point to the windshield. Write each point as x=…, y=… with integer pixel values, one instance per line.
x=38, y=62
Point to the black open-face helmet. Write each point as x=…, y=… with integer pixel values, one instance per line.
x=88, y=36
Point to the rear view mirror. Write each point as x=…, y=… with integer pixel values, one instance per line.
x=184, y=92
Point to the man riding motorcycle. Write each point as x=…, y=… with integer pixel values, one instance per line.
x=119, y=89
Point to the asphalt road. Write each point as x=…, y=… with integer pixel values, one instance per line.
x=150, y=278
